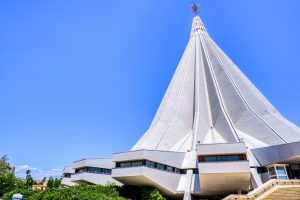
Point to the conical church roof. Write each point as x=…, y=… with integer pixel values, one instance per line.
x=209, y=100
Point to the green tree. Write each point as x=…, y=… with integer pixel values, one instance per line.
x=8, y=180
x=4, y=165
x=29, y=179
x=140, y=193
x=149, y=193
x=56, y=183
x=43, y=180
x=7, y=177
x=50, y=183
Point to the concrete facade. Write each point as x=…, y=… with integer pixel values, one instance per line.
x=89, y=171
x=214, y=133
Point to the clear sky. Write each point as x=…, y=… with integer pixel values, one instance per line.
x=84, y=78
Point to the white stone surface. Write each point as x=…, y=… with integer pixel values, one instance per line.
x=209, y=108
x=221, y=149
x=209, y=100
x=68, y=182
x=106, y=163
x=174, y=159
x=101, y=179
x=69, y=170
x=166, y=181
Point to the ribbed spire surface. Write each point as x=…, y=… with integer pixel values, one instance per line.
x=209, y=100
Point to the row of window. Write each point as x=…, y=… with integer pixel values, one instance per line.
x=67, y=175
x=150, y=164
x=94, y=170
x=222, y=158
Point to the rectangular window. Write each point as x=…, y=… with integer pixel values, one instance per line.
x=231, y=158
x=107, y=171
x=170, y=169
x=160, y=166
x=261, y=170
x=95, y=170
x=136, y=163
x=195, y=171
x=150, y=164
x=183, y=171
x=125, y=164
x=222, y=158
x=280, y=171
x=272, y=171
x=210, y=159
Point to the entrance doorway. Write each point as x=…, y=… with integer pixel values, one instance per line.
x=293, y=171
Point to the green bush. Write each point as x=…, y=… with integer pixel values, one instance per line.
x=140, y=193
x=26, y=192
x=80, y=192
x=151, y=194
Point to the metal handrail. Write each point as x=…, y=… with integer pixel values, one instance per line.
x=263, y=189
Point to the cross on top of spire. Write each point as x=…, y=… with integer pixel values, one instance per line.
x=195, y=8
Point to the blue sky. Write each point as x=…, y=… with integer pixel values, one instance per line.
x=84, y=78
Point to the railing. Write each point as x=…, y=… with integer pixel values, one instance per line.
x=258, y=192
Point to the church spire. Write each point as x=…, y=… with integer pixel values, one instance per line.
x=209, y=101
x=195, y=8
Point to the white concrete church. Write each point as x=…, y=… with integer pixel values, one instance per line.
x=213, y=134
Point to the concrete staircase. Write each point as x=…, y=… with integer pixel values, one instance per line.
x=272, y=190
x=283, y=192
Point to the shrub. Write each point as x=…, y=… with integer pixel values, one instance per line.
x=151, y=194
x=80, y=192
x=26, y=192
x=140, y=193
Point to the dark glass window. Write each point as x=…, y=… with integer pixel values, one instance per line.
x=107, y=171
x=150, y=164
x=160, y=166
x=170, y=169
x=262, y=170
x=125, y=164
x=137, y=163
x=231, y=158
x=67, y=175
x=219, y=158
x=210, y=159
x=272, y=171
x=94, y=170
x=81, y=170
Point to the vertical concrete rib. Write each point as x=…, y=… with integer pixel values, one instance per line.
x=217, y=90
x=209, y=95
x=241, y=95
x=178, y=99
